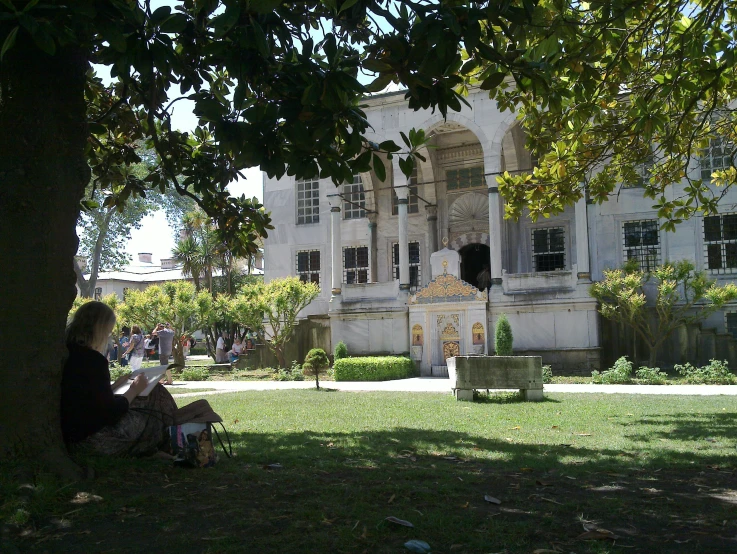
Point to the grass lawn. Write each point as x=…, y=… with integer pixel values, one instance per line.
x=319, y=472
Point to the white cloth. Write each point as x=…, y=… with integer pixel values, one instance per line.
x=221, y=344
x=135, y=362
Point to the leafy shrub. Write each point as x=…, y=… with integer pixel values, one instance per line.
x=195, y=374
x=374, y=368
x=503, y=336
x=293, y=374
x=547, y=374
x=621, y=373
x=117, y=372
x=316, y=362
x=651, y=376
x=340, y=351
x=198, y=351
x=716, y=373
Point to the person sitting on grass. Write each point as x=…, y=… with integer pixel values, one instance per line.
x=92, y=416
x=234, y=352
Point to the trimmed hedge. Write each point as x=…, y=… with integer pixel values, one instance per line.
x=374, y=368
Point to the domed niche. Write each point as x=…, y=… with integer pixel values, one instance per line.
x=469, y=213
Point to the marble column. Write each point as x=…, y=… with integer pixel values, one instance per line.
x=432, y=227
x=495, y=236
x=336, y=257
x=582, y=240
x=373, y=271
x=402, y=202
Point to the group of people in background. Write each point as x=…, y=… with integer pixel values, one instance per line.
x=133, y=346
x=224, y=355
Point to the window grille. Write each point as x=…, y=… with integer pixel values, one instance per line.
x=355, y=265
x=415, y=271
x=465, y=178
x=731, y=323
x=642, y=172
x=98, y=293
x=548, y=249
x=720, y=243
x=308, y=266
x=354, y=199
x=717, y=156
x=642, y=243
x=308, y=201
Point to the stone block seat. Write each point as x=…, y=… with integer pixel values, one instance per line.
x=469, y=373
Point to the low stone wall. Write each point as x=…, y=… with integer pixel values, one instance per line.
x=469, y=373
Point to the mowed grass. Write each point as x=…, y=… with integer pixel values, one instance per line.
x=321, y=472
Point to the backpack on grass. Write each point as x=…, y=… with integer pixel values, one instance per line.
x=190, y=439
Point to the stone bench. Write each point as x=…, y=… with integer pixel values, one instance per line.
x=469, y=373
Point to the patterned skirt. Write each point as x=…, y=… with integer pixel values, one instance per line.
x=142, y=431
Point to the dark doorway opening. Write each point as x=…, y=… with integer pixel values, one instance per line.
x=474, y=260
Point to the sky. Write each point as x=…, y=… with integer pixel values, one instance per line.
x=155, y=236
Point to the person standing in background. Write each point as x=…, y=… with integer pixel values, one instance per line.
x=166, y=340
x=125, y=333
x=135, y=348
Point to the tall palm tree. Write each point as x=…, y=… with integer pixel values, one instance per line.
x=187, y=254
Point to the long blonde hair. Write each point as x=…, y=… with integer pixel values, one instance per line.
x=90, y=324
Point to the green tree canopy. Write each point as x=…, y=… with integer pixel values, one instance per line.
x=175, y=302
x=682, y=296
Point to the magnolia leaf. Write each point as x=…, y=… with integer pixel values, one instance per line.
x=421, y=547
x=491, y=499
x=405, y=523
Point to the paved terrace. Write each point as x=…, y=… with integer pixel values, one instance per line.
x=437, y=385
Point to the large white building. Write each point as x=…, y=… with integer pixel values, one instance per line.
x=399, y=262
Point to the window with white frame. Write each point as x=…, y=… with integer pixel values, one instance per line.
x=720, y=243
x=548, y=249
x=415, y=271
x=465, y=178
x=308, y=201
x=98, y=293
x=354, y=199
x=308, y=266
x=642, y=243
x=730, y=322
x=355, y=264
x=718, y=155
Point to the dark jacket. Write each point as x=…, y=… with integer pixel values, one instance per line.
x=87, y=400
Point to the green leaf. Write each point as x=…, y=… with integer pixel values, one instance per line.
x=160, y=14
x=9, y=5
x=9, y=41
x=493, y=81
x=347, y=4
x=261, y=44
x=174, y=24
x=379, y=168
x=379, y=84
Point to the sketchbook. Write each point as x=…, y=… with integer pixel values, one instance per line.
x=153, y=374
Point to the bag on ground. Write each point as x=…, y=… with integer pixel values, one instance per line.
x=190, y=439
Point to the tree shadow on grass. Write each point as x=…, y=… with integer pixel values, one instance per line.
x=331, y=492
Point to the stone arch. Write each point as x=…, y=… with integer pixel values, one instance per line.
x=493, y=160
x=469, y=238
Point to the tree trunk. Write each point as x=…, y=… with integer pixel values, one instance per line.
x=82, y=283
x=43, y=173
x=178, y=352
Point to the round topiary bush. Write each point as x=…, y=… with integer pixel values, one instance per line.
x=503, y=336
x=316, y=362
